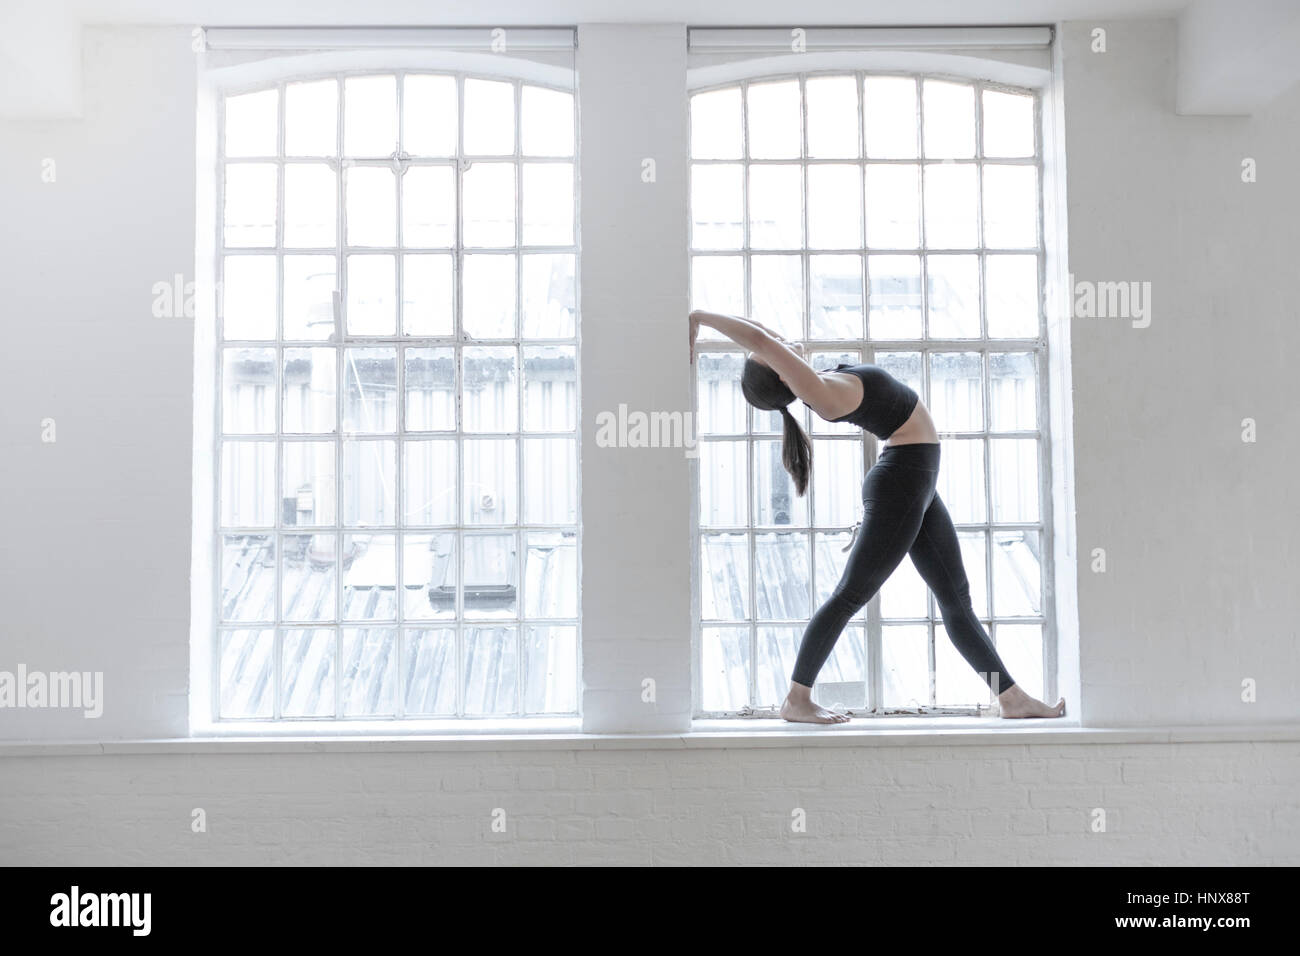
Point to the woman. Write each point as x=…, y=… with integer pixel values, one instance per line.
x=902, y=512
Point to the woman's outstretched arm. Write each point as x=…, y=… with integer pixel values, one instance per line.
x=769, y=348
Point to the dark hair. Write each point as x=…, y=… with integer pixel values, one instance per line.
x=764, y=390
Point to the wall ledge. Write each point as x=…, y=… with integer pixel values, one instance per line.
x=705, y=735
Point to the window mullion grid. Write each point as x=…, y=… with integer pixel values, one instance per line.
x=218, y=544
x=277, y=537
x=340, y=392
x=519, y=535
x=751, y=450
x=1047, y=564
x=810, y=536
x=458, y=266
x=399, y=457
x=986, y=364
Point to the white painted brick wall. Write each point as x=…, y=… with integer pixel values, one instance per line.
x=1166, y=804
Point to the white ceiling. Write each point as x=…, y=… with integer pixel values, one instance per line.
x=1234, y=55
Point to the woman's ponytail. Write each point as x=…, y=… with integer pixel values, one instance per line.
x=796, y=452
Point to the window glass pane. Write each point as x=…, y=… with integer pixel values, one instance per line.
x=1014, y=467
x=548, y=296
x=491, y=575
x=489, y=117
x=546, y=121
x=949, y=119
x=550, y=480
x=308, y=577
x=550, y=669
x=550, y=388
x=776, y=294
x=1013, y=391
x=490, y=480
x=724, y=668
x=369, y=115
x=310, y=284
x=372, y=295
x=429, y=569
x=715, y=124
x=490, y=389
x=371, y=193
x=548, y=204
x=953, y=292
x=895, y=297
x=1008, y=124
x=249, y=214
x=1021, y=648
x=957, y=391
x=370, y=390
x=309, y=390
x=1017, y=573
x=248, y=296
x=775, y=207
x=836, y=296
x=723, y=500
x=717, y=206
x=961, y=479
x=905, y=665
x=773, y=119
x=251, y=121
x=247, y=672
x=429, y=671
x=248, y=391
x=247, y=484
x=717, y=284
x=775, y=501
x=893, y=206
x=308, y=490
x=832, y=116
x=310, y=201
x=311, y=118
x=429, y=206
x=551, y=575
x=1011, y=296
x=430, y=390
x=247, y=577
x=1010, y=207
x=429, y=118
x=781, y=569
x=834, y=207
x=368, y=671
x=307, y=672
x=488, y=191
x=950, y=202
x=368, y=482
x=842, y=683
x=777, y=649
x=491, y=675
x=369, y=577
x=889, y=114
x=837, y=482
x=488, y=290
x=429, y=482
x=427, y=290
x=956, y=684
x=725, y=577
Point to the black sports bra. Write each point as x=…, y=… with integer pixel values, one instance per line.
x=886, y=402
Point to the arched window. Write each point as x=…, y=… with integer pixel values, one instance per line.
x=892, y=218
x=395, y=505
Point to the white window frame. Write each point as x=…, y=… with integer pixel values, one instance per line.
x=920, y=67
x=206, y=627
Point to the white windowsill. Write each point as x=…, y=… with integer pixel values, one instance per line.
x=712, y=734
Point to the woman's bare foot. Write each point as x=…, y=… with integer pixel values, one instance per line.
x=1014, y=702
x=800, y=709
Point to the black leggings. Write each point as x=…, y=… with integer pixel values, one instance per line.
x=902, y=514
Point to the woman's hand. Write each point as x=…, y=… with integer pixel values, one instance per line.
x=694, y=321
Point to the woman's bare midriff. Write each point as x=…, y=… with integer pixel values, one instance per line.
x=918, y=429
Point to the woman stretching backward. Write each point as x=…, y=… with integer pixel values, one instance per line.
x=902, y=512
